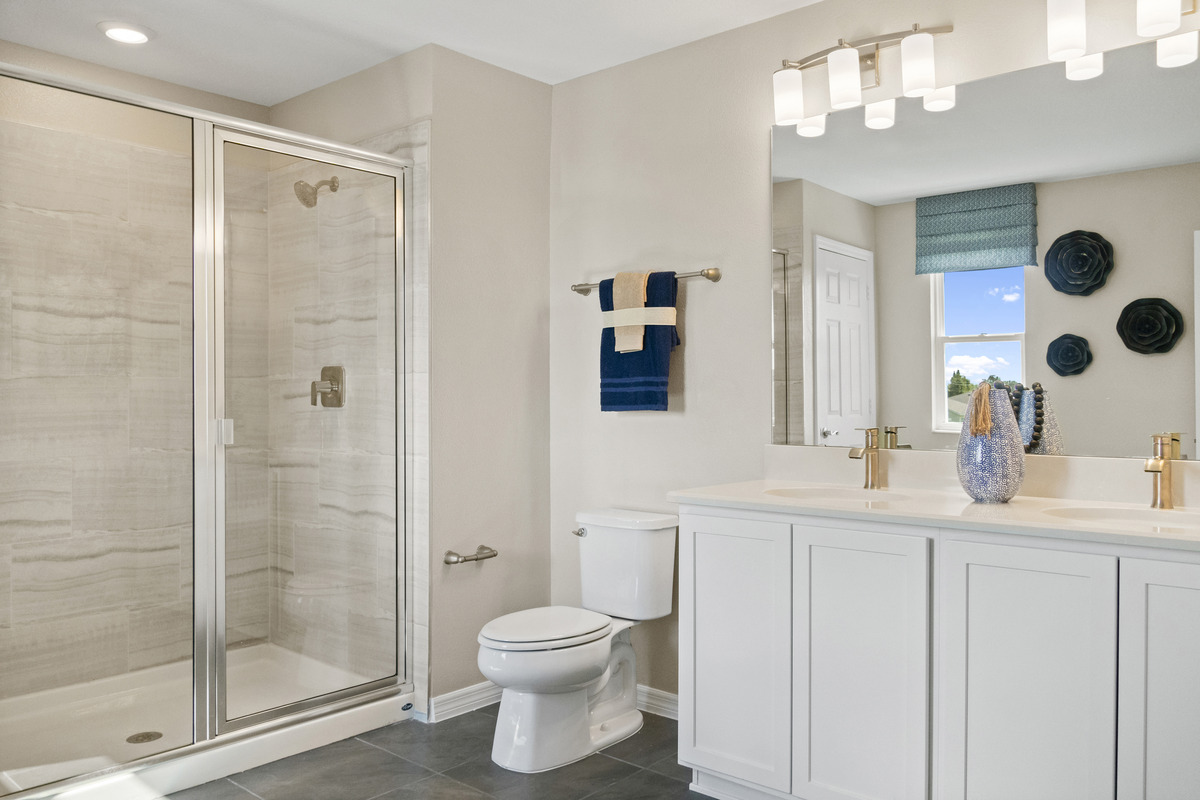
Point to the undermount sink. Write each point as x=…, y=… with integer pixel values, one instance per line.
x=1142, y=519
x=845, y=493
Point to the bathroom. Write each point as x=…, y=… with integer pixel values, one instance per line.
x=528, y=192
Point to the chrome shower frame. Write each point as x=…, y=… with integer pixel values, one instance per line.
x=209, y=131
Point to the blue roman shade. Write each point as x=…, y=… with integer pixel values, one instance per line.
x=983, y=229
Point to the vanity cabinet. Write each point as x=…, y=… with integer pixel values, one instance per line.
x=1027, y=674
x=804, y=658
x=1158, y=697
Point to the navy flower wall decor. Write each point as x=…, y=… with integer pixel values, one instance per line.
x=1079, y=262
x=1150, y=325
x=1069, y=354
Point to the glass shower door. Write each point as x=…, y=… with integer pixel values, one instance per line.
x=307, y=253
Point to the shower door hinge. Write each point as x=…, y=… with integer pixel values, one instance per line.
x=225, y=431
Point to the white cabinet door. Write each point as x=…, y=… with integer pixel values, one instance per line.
x=861, y=656
x=1028, y=674
x=735, y=706
x=1158, y=739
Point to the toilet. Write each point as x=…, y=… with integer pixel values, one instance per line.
x=569, y=674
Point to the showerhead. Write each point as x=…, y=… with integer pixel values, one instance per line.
x=306, y=193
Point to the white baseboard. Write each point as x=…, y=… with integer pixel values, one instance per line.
x=451, y=704
x=461, y=701
x=656, y=701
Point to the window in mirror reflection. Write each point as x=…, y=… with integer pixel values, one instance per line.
x=979, y=335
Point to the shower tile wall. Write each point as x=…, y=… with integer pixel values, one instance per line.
x=95, y=387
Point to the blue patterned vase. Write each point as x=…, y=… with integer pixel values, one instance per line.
x=1050, y=443
x=991, y=467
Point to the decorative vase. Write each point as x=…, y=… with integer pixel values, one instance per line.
x=991, y=455
x=1048, y=441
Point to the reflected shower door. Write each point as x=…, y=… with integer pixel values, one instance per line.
x=307, y=254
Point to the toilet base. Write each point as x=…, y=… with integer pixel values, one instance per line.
x=539, y=731
x=563, y=733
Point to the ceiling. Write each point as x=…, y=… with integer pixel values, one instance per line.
x=1028, y=126
x=267, y=51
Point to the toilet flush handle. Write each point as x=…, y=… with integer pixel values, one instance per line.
x=580, y=532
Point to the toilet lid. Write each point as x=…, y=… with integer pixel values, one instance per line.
x=546, y=628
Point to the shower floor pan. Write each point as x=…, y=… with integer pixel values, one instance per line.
x=59, y=733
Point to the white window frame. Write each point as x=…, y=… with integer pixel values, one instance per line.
x=940, y=340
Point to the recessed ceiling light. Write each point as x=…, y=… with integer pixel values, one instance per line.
x=125, y=33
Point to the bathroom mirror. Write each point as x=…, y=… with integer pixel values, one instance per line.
x=1116, y=155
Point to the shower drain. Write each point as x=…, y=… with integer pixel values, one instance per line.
x=143, y=737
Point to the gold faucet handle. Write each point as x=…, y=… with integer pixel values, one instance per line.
x=871, y=437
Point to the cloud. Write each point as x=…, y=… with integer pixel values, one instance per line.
x=1012, y=297
x=1009, y=294
x=976, y=368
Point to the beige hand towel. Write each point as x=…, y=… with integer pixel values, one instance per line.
x=629, y=291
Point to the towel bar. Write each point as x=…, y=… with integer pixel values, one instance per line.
x=481, y=552
x=712, y=273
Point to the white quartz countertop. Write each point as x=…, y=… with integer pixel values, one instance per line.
x=1093, y=521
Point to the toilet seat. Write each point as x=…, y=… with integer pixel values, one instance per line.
x=546, y=628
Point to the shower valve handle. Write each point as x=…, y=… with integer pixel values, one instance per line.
x=331, y=387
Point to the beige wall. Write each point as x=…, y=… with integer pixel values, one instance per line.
x=1149, y=217
x=489, y=339
x=663, y=163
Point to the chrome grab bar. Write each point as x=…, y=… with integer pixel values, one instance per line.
x=481, y=552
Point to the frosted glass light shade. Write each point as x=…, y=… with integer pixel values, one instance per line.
x=1175, y=51
x=939, y=99
x=1066, y=29
x=881, y=115
x=1157, y=17
x=813, y=126
x=1085, y=67
x=789, y=96
x=916, y=64
x=845, y=78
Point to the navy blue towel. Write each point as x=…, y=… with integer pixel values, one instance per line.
x=638, y=381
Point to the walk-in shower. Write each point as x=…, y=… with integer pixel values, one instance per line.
x=188, y=546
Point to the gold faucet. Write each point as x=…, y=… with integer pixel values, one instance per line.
x=1166, y=450
x=869, y=452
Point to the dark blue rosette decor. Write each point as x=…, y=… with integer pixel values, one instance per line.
x=1079, y=262
x=1150, y=325
x=1069, y=354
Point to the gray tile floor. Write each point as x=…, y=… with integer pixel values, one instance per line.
x=451, y=760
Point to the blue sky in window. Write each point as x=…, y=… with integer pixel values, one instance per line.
x=985, y=301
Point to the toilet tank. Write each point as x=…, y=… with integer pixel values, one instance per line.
x=627, y=562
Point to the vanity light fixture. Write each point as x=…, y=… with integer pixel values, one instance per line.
x=881, y=115
x=939, y=99
x=1175, y=51
x=847, y=62
x=1085, y=67
x=1066, y=29
x=1158, y=17
x=125, y=33
x=813, y=126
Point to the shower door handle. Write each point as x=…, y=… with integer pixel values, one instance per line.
x=331, y=387
x=225, y=431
